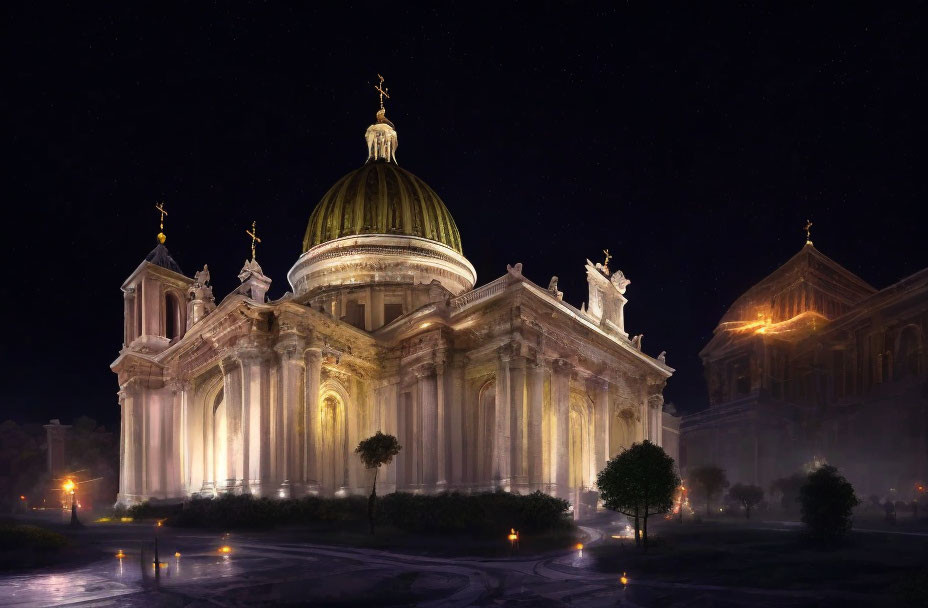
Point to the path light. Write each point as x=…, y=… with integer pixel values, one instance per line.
x=177, y=554
x=580, y=550
x=120, y=554
x=513, y=538
x=125, y=520
x=623, y=579
x=225, y=549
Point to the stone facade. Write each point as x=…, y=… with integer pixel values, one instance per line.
x=504, y=386
x=814, y=365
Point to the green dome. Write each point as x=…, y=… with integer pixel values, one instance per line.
x=381, y=198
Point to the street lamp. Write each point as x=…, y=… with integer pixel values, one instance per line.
x=68, y=486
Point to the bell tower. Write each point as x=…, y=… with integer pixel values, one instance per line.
x=154, y=295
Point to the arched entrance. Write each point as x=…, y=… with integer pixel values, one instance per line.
x=486, y=433
x=333, y=462
x=579, y=446
x=220, y=440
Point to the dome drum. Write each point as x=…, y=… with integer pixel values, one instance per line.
x=380, y=259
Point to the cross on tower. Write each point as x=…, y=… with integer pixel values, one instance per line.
x=382, y=90
x=160, y=207
x=808, y=230
x=253, y=233
x=606, y=263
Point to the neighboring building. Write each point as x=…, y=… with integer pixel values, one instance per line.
x=814, y=365
x=504, y=386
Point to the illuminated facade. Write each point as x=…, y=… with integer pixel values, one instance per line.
x=503, y=386
x=813, y=364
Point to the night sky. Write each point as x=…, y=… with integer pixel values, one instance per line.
x=692, y=144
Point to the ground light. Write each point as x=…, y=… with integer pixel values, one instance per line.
x=513, y=539
x=225, y=549
x=624, y=579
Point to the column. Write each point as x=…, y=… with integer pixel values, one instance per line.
x=232, y=391
x=455, y=411
x=311, y=445
x=502, y=448
x=601, y=426
x=289, y=414
x=536, y=388
x=441, y=436
x=256, y=420
x=388, y=403
x=428, y=406
x=517, y=419
x=561, y=402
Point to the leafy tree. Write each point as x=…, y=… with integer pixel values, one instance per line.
x=827, y=500
x=376, y=451
x=748, y=495
x=788, y=488
x=639, y=482
x=710, y=479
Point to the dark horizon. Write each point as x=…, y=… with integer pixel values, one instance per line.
x=693, y=145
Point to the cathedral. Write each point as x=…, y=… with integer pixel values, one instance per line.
x=505, y=386
x=813, y=365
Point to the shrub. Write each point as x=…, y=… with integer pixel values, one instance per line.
x=827, y=501
x=15, y=537
x=484, y=514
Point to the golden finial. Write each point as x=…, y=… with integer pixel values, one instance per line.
x=808, y=230
x=382, y=113
x=253, y=233
x=606, y=263
x=160, y=207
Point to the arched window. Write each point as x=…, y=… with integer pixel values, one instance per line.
x=172, y=320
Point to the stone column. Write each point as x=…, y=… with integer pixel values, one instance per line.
x=601, y=426
x=502, y=440
x=517, y=419
x=536, y=389
x=255, y=420
x=311, y=444
x=289, y=414
x=123, y=472
x=235, y=455
x=441, y=435
x=561, y=403
x=386, y=401
x=428, y=406
x=455, y=412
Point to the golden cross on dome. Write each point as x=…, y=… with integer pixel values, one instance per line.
x=382, y=90
x=160, y=207
x=606, y=263
x=808, y=230
x=253, y=233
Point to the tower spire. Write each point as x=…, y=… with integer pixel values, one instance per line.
x=160, y=207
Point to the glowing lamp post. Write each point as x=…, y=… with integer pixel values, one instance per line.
x=513, y=539
x=68, y=487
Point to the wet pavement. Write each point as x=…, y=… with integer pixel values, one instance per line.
x=269, y=569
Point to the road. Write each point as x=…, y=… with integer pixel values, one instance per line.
x=264, y=569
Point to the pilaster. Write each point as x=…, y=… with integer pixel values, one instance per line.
x=517, y=421
x=536, y=387
x=312, y=446
x=502, y=440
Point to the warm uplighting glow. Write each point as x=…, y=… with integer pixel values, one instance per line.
x=125, y=519
x=102, y=520
x=426, y=324
x=159, y=522
x=623, y=579
x=809, y=319
x=68, y=486
x=177, y=554
x=225, y=549
x=120, y=554
x=21, y=497
x=579, y=546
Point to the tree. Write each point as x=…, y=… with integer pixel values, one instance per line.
x=788, y=488
x=748, y=495
x=711, y=480
x=827, y=500
x=376, y=451
x=639, y=482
